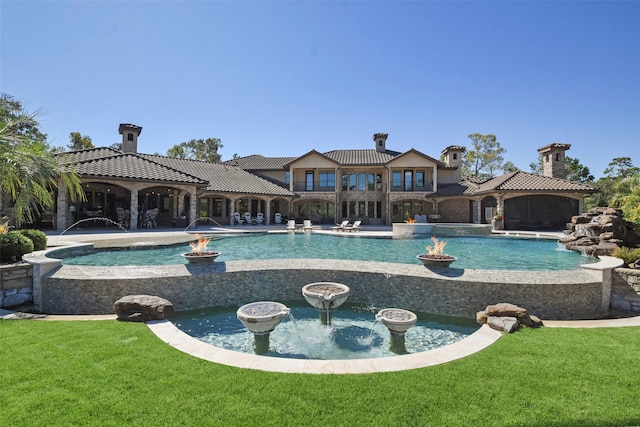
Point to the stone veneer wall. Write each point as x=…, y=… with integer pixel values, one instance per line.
x=550, y=295
x=625, y=289
x=16, y=285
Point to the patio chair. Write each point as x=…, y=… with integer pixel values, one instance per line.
x=150, y=218
x=247, y=217
x=259, y=218
x=341, y=226
x=354, y=227
x=291, y=225
x=306, y=224
x=278, y=218
x=237, y=218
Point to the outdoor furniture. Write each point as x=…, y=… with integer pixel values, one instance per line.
x=247, y=217
x=291, y=225
x=278, y=218
x=354, y=227
x=341, y=226
x=260, y=218
x=306, y=224
x=237, y=218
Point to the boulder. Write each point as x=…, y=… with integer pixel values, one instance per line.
x=142, y=308
x=507, y=317
x=503, y=324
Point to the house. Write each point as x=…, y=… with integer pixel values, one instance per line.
x=376, y=186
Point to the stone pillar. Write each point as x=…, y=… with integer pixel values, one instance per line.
x=63, y=207
x=193, y=204
x=267, y=211
x=181, y=203
x=133, y=208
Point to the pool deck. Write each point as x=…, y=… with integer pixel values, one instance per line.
x=170, y=334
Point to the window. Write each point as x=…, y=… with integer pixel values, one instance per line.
x=420, y=179
x=129, y=137
x=352, y=182
x=396, y=179
x=557, y=157
x=455, y=156
x=344, y=182
x=287, y=177
x=408, y=180
x=309, y=181
x=371, y=178
x=378, y=209
x=327, y=179
x=370, y=209
x=362, y=181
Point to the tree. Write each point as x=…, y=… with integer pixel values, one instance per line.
x=28, y=169
x=116, y=146
x=509, y=167
x=197, y=149
x=485, y=158
x=615, y=185
x=79, y=142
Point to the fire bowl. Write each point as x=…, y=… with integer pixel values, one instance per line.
x=397, y=320
x=200, y=257
x=436, y=260
x=262, y=317
x=325, y=295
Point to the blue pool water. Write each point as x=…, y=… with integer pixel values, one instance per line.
x=491, y=253
x=352, y=333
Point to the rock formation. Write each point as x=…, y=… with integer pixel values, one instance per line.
x=506, y=317
x=142, y=308
x=599, y=232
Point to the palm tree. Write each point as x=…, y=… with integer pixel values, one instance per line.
x=28, y=170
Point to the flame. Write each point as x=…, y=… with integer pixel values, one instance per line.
x=200, y=245
x=438, y=247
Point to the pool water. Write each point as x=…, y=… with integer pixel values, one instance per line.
x=352, y=333
x=490, y=253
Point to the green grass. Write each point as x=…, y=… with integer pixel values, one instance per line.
x=109, y=373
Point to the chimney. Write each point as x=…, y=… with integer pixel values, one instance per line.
x=553, y=160
x=130, y=135
x=381, y=141
x=453, y=155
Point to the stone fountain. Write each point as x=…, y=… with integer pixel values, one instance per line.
x=261, y=318
x=398, y=321
x=325, y=296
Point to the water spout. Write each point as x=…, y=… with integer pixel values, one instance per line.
x=96, y=218
x=202, y=218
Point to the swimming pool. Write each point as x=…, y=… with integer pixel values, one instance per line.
x=491, y=253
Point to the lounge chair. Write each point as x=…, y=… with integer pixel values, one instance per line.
x=247, y=218
x=306, y=224
x=259, y=218
x=341, y=226
x=278, y=218
x=291, y=225
x=354, y=227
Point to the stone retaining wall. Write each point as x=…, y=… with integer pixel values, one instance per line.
x=16, y=285
x=625, y=290
x=548, y=294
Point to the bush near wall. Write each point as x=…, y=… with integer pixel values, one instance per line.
x=38, y=238
x=13, y=245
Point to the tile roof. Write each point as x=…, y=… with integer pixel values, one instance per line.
x=110, y=163
x=525, y=181
x=361, y=157
x=258, y=162
x=223, y=178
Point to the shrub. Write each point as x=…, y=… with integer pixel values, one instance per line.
x=38, y=238
x=628, y=255
x=13, y=245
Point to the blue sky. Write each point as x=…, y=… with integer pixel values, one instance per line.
x=280, y=78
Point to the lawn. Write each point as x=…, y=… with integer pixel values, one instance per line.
x=109, y=373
